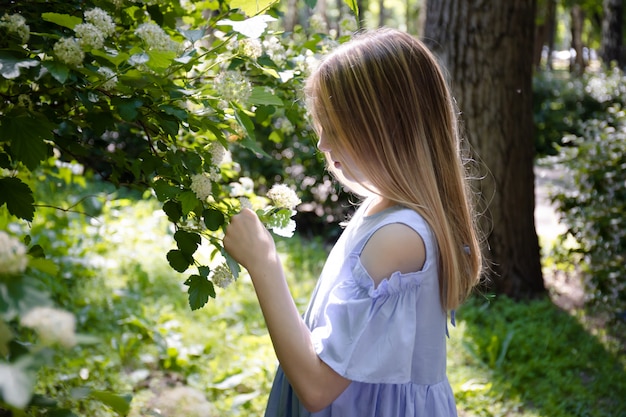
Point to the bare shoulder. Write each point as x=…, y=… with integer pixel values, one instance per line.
x=392, y=248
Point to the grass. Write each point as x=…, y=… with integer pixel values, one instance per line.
x=504, y=358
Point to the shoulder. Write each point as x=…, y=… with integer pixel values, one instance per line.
x=395, y=247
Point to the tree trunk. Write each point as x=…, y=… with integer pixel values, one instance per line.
x=291, y=15
x=577, y=65
x=381, y=14
x=611, y=49
x=544, y=31
x=487, y=48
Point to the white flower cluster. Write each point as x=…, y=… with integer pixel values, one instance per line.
x=201, y=185
x=283, y=197
x=218, y=152
x=318, y=24
x=232, y=86
x=101, y=20
x=275, y=50
x=245, y=186
x=13, y=259
x=15, y=23
x=69, y=51
x=244, y=202
x=251, y=48
x=155, y=37
x=222, y=276
x=54, y=326
x=91, y=34
x=109, y=76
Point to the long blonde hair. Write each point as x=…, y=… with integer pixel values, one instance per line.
x=383, y=100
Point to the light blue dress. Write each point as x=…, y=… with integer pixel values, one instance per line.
x=389, y=340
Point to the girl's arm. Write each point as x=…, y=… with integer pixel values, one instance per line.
x=314, y=382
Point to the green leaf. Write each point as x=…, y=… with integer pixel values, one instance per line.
x=251, y=8
x=354, y=6
x=233, y=265
x=18, y=198
x=10, y=66
x=192, y=35
x=64, y=20
x=119, y=403
x=116, y=59
x=311, y=3
x=179, y=260
x=260, y=96
x=164, y=190
x=43, y=265
x=200, y=289
x=160, y=60
x=249, y=140
x=59, y=71
x=187, y=242
x=26, y=132
x=128, y=108
x=188, y=201
x=213, y=219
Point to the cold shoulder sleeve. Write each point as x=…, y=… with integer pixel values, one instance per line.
x=369, y=333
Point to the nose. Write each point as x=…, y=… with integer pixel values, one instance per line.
x=322, y=144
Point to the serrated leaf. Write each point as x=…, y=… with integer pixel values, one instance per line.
x=128, y=108
x=200, y=289
x=18, y=198
x=10, y=65
x=116, y=59
x=26, y=132
x=187, y=242
x=165, y=190
x=204, y=271
x=192, y=35
x=60, y=19
x=260, y=96
x=233, y=265
x=188, y=201
x=178, y=260
x=119, y=403
x=160, y=60
x=213, y=219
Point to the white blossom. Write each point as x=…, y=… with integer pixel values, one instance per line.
x=248, y=185
x=155, y=37
x=275, y=50
x=54, y=326
x=15, y=23
x=201, y=185
x=251, y=48
x=283, y=197
x=110, y=78
x=100, y=19
x=13, y=258
x=318, y=24
x=68, y=51
x=218, y=152
x=245, y=202
x=89, y=36
x=222, y=276
x=232, y=86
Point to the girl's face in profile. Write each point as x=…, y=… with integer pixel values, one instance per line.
x=339, y=162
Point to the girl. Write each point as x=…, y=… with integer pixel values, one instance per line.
x=373, y=339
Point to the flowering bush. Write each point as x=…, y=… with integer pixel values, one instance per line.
x=154, y=96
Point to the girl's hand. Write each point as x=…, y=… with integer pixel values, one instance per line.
x=249, y=242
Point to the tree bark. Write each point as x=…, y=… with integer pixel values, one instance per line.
x=578, y=64
x=611, y=48
x=487, y=48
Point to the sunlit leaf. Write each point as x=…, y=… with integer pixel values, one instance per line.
x=252, y=27
x=251, y=7
x=10, y=66
x=64, y=20
x=260, y=96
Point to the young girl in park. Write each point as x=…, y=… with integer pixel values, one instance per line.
x=373, y=339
